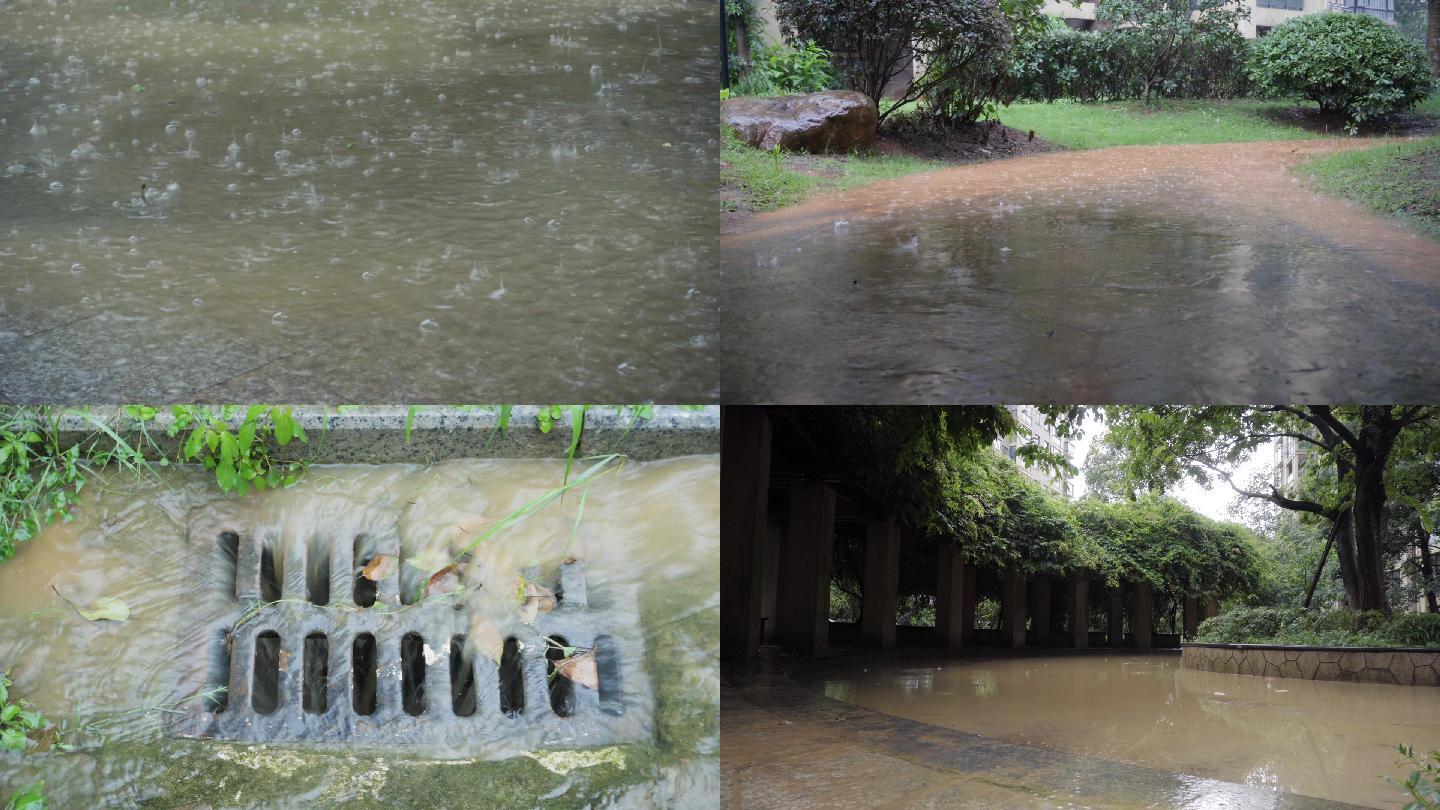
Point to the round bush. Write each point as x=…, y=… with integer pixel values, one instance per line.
x=1350, y=64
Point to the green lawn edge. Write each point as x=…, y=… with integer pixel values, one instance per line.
x=1401, y=179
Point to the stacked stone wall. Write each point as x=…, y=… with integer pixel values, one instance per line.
x=1405, y=667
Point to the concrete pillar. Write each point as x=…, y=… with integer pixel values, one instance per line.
x=803, y=595
x=1012, y=611
x=954, y=591
x=968, y=598
x=882, y=583
x=1141, y=615
x=744, y=491
x=1192, y=618
x=769, y=574
x=1040, y=610
x=1079, y=613
x=1117, y=617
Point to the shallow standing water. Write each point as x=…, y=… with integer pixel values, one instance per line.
x=348, y=200
x=1316, y=738
x=1133, y=274
x=649, y=537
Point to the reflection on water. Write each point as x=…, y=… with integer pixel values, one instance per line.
x=440, y=192
x=1325, y=739
x=649, y=537
x=1137, y=274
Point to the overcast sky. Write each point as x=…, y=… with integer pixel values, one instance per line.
x=1214, y=502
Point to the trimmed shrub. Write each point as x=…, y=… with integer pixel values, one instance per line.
x=1350, y=64
x=1320, y=628
x=1065, y=63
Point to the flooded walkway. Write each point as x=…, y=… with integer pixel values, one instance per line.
x=787, y=745
x=1131, y=274
x=427, y=200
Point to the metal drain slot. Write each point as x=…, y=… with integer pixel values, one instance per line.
x=317, y=572
x=365, y=667
x=365, y=589
x=412, y=674
x=265, y=688
x=562, y=689
x=271, y=571
x=462, y=679
x=300, y=662
x=512, y=679
x=317, y=673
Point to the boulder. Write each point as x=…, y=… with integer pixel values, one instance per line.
x=832, y=121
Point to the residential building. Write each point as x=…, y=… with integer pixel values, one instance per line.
x=1290, y=458
x=1033, y=421
x=1264, y=14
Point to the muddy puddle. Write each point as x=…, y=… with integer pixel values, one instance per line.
x=1133, y=274
x=648, y=539
x=438, y=192
x=1323, y=739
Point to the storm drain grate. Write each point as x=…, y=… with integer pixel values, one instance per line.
x=317, y=667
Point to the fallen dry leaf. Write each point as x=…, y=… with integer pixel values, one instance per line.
x=445, y=580
x=380, y=567
x=538, y=599
x=569, y=559
x=580, y=669
x=45, y=739
x=486, y=636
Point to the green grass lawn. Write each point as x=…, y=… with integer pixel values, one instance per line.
x=756, y=181
x=768, y=181
x=1402, y=179
x=1132, y=123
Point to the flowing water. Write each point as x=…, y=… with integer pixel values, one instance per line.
x=1133, y=274
x=1317, y=738
x=648, y=534
x=342, y=200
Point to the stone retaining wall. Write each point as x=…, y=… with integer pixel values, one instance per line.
x=1408, y=667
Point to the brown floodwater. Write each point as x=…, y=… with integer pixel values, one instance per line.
x=357, y=200
x=1315, y=738
x=1131, y=274
x=648, y=536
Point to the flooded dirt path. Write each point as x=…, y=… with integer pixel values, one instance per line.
x=1131, y=274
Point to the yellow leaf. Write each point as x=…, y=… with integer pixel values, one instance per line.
x=380, y=567
x=107, y=609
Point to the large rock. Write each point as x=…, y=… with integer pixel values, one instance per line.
x=833, y=121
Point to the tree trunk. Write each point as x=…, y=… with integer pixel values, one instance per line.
x=1427, y=570
x=1432, y=34
x=1345, y=553
x=1375, y=443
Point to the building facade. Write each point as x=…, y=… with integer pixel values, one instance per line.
x=1264, y=14
x=1030, y=418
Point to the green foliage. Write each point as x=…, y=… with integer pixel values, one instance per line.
x=782, y=69
x=30, y=797
x=975, y=73
x=244, y=457
x=1423, y=783
x=1350, y=64
x=18, y=722
x=1161, y=35
x=1320, y=628
x=743, y=30
x=1171, y=546
x=881, y=39
x=1166, y=121
x=40, y=481
x=1060, y=62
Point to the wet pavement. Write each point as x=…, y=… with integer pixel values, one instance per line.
x=424, y=200
x=786, y=744
x=1132, y=274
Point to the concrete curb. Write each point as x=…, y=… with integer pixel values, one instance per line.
x=377, y=434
